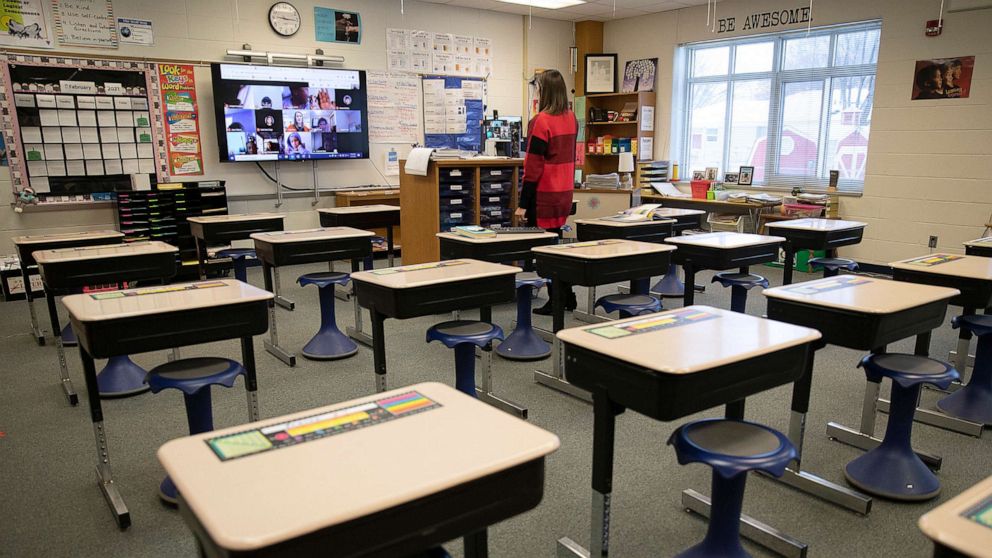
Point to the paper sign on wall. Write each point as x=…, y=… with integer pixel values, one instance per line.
x=182, y=128
x=23, y=24
x=85, y=22
x=135, y=31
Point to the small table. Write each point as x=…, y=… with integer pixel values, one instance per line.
x=979, y=247
x=31, y=243
x=861, y=313
x=436, y=456
x=667, y=366
x=68, y=270
x=962, y=526
x=720, y=251
x=283, y=248
x=750, y=208
x=589, y=264
x=418, y=290
x=224, y=229
x=156, y=318
x=364, y=217
x=814, y=234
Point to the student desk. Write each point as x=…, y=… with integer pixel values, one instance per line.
x=25, y=245
x=283, y=248
x=154, y=318
x=814, y=234
x=68, y=270
x=720, y=251
x=364, y=217
x=589, y=264
x=979, y=247
x=390, y=474
x=962, y=526
x=425, y=289
x=670, y=286
x=667, y=366
x=224, y=229
x=860, y=313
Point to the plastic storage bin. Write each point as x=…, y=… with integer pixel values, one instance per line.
x=699, y=189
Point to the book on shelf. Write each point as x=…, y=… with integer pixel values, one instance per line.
x=628, y=113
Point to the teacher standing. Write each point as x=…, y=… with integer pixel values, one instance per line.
x=549, y=165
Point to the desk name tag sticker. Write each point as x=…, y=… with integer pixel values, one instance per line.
x=573, y=245
x=315, y=427
x=668, y=320
x=417, y=267
x=157, y=290
x=932, y=260
x=834, y=284
x=981, y=514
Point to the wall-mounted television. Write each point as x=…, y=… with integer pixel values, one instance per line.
x=281, y=113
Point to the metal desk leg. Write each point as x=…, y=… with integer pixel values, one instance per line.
x=39, y=335
x=689, y=295
x=477, y=544
x=201, y=256
x=604, y=429
x=282, y=301
x=356, y=332
x=556, y=379
x=484, y=391
x=379, y=349
x=104, y=475
x=390, y=252
x=64, y=381
x=272, y=345
x=589, y=314
x=790, y=264
x=251, y=379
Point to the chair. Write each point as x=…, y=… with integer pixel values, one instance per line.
x=893, y=470
x=524, y=343
x=740, y=284
x=239, y=257
x=629, y=305
x=464, y=336
x=328, y=343
x=974, y=401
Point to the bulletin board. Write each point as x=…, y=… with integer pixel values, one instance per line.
x=72, y=121
x=453, y=112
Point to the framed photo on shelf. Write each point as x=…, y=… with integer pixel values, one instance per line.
x=730, y=177
x=699, y=175
x=746, y=176
x=712, y=173
x=638, y=75
x=601, y=73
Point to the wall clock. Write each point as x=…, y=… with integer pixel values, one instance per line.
x=284, y=18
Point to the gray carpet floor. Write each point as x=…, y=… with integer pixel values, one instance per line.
x=51, y=505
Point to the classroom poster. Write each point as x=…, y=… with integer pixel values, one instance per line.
x=337, y=26
x=182, y=131
x=422, y=52
x=453, y=112
x=943, y=78
x=135, y=31
x=394, y=107
x=23, y=24
x=85, y=22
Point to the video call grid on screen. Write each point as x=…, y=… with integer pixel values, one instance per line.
x=269, y=113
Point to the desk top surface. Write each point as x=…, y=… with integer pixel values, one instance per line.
x=981, y=242
x=868, y=295
x=688, y=340
x=724, y=240
x=606, y=222
x=103, y=251
x=65, y=237
x=967, y=267
x=234, y=218
x=964, y=522
x=677, y=212
x=309, y=235
x=422, y=275
x=726, y=204
x=391, y=448
x=112, y=305
x=497, y=238
x=373, y=208
x=824, y=225
x=603, y=249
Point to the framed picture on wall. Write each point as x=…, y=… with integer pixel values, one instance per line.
x=601, y=73
x=638, y=75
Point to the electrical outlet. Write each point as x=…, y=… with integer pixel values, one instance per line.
x=933, y=241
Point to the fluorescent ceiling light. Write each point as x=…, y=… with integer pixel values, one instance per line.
x=547, y=4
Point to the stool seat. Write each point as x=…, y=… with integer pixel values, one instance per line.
x=464, y=331
x=978, y=324
x=324, y=278
x=732, y=447
x=239, y=257
x=530, y=279
x=190, y=375
x=833, y=264
x=908, y=370
x=735, y=279
x=629, y=305
x=235, y=253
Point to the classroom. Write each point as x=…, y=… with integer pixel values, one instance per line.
x=693, y=278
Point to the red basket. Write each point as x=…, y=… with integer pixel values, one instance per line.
x=699, y=188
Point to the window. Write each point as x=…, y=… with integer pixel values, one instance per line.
x=792, y=105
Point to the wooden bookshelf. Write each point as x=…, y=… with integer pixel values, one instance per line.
x=605, y=163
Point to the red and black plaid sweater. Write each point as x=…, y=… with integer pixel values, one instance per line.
x=549, y=169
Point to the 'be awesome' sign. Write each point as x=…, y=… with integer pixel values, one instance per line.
x=764, y=20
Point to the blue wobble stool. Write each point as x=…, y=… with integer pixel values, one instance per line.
x=669, y=286
x=740, y=284
x=464, y=336
x=193, y=377
x=524, y=343
x=239, y=257
x=893, y=470
x=121, y=377
x=369, y=262
x=832, y=266
x=69, y=336
x=974, y=401
x=629, y=305
x=731, y=448
x=328, y=343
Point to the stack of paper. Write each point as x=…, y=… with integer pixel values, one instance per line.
x=417, y=161
x=611, y=180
